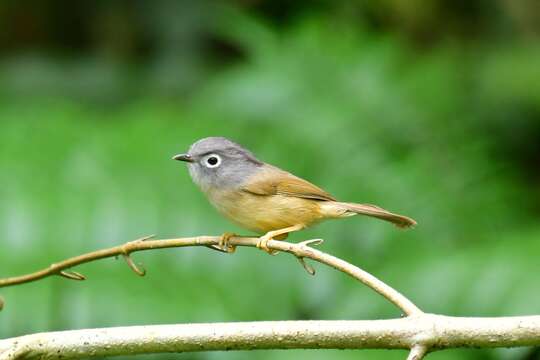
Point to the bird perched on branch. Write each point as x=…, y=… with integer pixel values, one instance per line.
x=263, y=198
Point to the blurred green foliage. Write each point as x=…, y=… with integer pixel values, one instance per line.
x=428, y=109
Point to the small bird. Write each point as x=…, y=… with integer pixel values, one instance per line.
x=263, y=198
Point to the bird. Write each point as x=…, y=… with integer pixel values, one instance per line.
x=264, y=198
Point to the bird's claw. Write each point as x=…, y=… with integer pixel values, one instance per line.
x=224, y=244
x=263, y=245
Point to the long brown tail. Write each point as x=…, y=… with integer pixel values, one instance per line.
x=340, y=209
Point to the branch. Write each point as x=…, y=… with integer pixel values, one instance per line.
x=436, y=331
x=419, y=332
x=301, y=250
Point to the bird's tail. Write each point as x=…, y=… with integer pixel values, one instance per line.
x=341, y=209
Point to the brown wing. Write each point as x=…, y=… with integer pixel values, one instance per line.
x=273, y=181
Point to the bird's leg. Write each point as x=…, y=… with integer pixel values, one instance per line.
x=263, y=240
x=224, y=242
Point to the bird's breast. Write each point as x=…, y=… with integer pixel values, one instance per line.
x=263, y=213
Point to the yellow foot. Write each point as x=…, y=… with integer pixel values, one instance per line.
x=263, y=245
x=224, y=242
x=279, y=234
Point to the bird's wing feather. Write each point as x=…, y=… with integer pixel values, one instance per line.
x=273, y=181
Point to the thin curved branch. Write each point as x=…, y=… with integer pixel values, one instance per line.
x=416, y=332
x=301, y=251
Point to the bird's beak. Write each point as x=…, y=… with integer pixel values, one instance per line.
x=183, y=157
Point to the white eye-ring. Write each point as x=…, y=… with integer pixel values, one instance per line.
x=212, y=161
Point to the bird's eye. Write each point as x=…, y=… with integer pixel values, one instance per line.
x=212, y=161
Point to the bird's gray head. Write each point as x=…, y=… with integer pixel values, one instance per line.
x=218, y=163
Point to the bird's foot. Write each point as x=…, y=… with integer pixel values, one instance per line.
x=224, y=242
x=263, y=244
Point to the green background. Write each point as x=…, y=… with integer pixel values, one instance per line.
x=428, y=108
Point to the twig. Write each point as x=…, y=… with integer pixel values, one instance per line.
x=300, y=251
x=437, y=331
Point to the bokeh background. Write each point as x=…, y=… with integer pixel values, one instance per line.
x=428, y=108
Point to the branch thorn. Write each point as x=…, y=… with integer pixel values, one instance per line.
x=72, y=275
x=145, y=238
x=131, y=264
x=306, y=266
x=312, y=242
x=217, y=248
